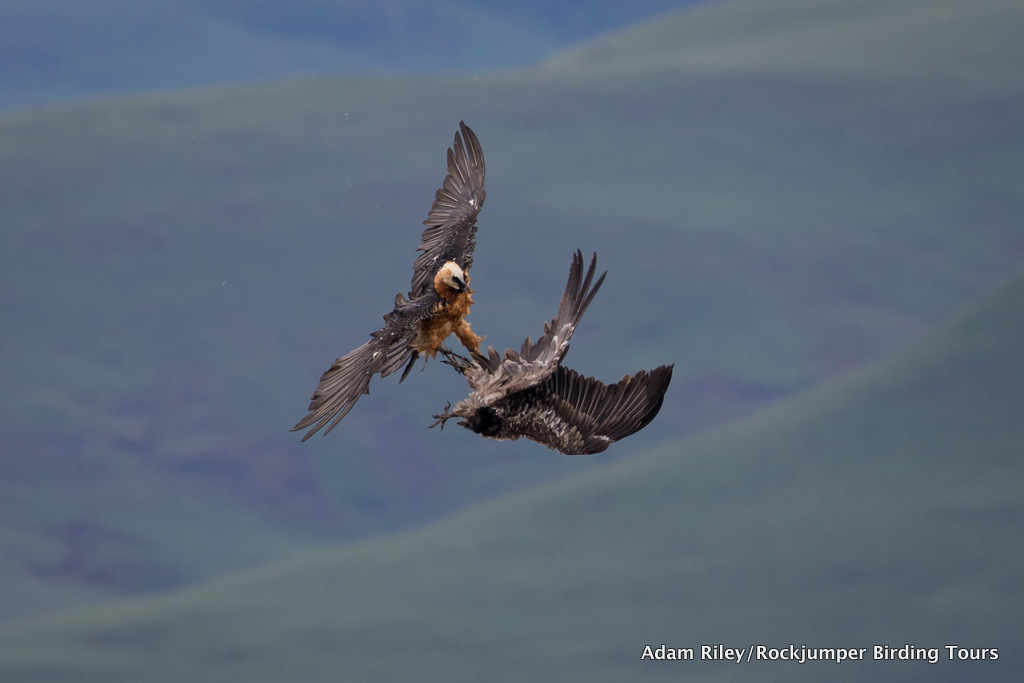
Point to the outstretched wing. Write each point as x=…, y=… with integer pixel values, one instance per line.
x=579, y=415
x=451, y=223
x=348, y=378
x=499, y=376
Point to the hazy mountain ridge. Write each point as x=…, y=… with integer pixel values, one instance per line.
x=57, y=50
x=949, y=39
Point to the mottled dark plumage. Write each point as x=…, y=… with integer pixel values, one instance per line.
x=438, y=299
x=530, y=394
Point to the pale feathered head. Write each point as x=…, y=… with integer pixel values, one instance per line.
x=450, y=275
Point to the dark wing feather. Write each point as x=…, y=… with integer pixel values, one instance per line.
x=451, y=223
x=348, y=378
x=534, y=362
x=595, y=414
x=573, y=414
x=554, y=343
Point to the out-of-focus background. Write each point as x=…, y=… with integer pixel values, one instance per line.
x=814, y=209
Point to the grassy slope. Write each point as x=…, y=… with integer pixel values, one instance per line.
x=894, y=39
x=59, y=50
x=883, y=508
x=177, y=270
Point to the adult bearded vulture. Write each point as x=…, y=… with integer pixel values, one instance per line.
x=438, y=302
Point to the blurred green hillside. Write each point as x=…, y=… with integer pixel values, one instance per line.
x=55, y=50
x=881, y=509
x=967, y=42
x=177, y=270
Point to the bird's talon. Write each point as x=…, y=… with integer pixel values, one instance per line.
x=443, y=417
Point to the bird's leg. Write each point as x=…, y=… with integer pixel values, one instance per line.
x=460, y=363
x=443, y=417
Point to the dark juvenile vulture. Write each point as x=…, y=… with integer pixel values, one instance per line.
x=438, y=302
x=530, y=394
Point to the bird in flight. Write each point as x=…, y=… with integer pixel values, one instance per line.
x=438, y=302
x=531, y=394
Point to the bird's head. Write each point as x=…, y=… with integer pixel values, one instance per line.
x=451, y=277
x=485, y=422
